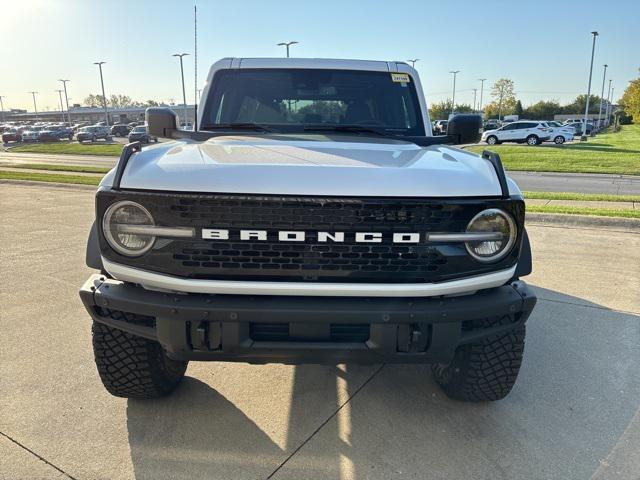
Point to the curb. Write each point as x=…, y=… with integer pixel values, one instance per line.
x=582, y=220
x=34, y=183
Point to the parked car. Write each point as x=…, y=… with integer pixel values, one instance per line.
x=560, y=133
x=577, y=126
x=49, y=135
x=141, y=134
x=120, y=130
x=32, y=134
x=12, y=135
x=440, y=127
x=93, y=133
x=530, y=131
x=492, y=124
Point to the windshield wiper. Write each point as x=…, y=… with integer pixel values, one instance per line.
x=239, y=126
x=345, y=128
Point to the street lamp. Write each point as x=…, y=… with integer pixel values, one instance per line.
x=287, y=44
x=104, y=97
x=61, y=106
x=607, y=118
x=2, y=106
x=35, y=107
x=475, y=91
x=66, y=99
x=583, y=138
x=413, y=62
x=184, y=95
x=604, y=75
x=481, y=89
x=453, y=100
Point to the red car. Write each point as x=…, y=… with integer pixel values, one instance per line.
x=12, y=135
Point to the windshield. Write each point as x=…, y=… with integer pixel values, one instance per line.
x=288, y=100
x=140, y=129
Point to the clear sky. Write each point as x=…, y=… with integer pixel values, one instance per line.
x=544, y=46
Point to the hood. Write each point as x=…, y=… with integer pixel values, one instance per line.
x=336, y=165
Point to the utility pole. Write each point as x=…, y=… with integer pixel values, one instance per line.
x=184, y=95
x=287, y=44
x=2, y=106
x=475, y=91
x=481, y=89
x=604, y=75
x=66, y=99
x=413, y=62
x=500, y=102
x=453, y=100
x=61, y=105
x=583, y=138
x=104, y=97
x=35, y=107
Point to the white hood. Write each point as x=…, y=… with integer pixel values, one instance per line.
x=338, y=165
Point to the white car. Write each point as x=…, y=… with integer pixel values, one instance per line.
x=532, y=132
x=31, y=134
x=560, y=133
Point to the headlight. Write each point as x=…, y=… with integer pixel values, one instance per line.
x=492, y=220
x=119, y=224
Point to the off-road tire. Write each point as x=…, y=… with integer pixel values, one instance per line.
x=485, y=370
x=132, y=366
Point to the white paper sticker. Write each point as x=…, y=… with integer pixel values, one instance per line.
x=400, y=77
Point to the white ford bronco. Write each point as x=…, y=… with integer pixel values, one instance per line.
x=310, y=216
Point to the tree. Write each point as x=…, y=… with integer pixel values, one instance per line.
x=518, y=110
x=543, y=110
x=630, y=100
x=441, y=110
x=504, y=99
x=93, y=101
x=579, y=104
x=151, y=103
x=120, y=101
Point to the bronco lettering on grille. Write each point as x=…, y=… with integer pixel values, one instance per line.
x=302, y=236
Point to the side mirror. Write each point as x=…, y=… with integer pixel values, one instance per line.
x=161, y=122
x=465, y=128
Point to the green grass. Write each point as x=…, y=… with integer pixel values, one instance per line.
x=59, y=168
x=601, y=212
x=105, y=149
x=49, y=177
x=616, y=152
x=588, y=197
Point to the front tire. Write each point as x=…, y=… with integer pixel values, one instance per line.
x=559, y=140
x=492, y=140
x=533, y=140
x=485, y=370
x=134, y=367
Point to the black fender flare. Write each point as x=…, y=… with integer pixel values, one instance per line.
x=93, y=259
x=524, y=266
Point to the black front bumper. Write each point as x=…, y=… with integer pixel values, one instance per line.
x=285, y=329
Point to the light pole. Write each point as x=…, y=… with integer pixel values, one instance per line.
x=287, y=44
x=2, y=106
x=35, y=107
x=475, y=91
x=66, y=99
x=61, y=106
x=583, y=138
x=604, y=75
x=611, y=103
x=453, y=100
x=413, y=62
x=104, y=97
x=482, y=80
x=608, y=103
x=184, y=95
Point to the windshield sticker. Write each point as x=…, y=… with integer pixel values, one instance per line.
x=400, y=77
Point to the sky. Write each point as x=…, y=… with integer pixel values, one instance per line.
x=543, y=46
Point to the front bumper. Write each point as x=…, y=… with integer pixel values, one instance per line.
x=285, y=329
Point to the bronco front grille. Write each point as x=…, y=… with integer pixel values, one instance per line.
x=310, y=260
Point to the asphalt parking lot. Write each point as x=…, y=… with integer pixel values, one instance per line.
x=574, y=413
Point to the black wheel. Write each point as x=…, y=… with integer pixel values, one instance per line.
x=134, y=367
x=93, y=139
x=485, y=370
x=532, y=140
x=559, y=140
x=492, y=140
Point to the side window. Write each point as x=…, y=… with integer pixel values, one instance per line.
x=511, y=126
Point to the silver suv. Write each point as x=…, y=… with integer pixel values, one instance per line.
x=532, y=132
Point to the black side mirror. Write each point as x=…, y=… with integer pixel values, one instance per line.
x=465, y=128
x=161, y=122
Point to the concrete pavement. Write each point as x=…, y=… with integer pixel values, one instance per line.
x=572, y=415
